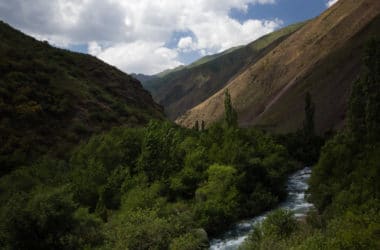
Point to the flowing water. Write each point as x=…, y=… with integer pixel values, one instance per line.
x=296, y=202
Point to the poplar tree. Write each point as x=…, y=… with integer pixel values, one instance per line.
x=203, y=126
x=230, y=114
x=308, y=126
x=364, y=106
x=196, y=126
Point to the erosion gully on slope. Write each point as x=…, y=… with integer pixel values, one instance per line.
x=296, y=202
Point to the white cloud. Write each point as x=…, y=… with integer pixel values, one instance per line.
x=94, y=48
x=140, y=56
x=132, y=34
x=331, y=3
x=186, y=44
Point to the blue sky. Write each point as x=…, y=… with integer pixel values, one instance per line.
x=149, y=36
x=290, y=11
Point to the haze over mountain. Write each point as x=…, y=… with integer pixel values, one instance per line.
x=323, y=58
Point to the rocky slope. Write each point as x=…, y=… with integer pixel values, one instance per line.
x=184, y=87
x=323, y=58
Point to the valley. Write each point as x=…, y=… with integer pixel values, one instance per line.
x=271, y=145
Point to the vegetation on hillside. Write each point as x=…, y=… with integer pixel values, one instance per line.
x=50, y=99
x=304, y=144
x=157, y=187
x=344, y=184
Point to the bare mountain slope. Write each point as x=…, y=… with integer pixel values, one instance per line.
x=323, y=57
x=181, y=89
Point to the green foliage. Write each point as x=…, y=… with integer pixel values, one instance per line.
x=151, y=188
x=217, y=200
x=308, y=125
x=203, y=125
x=48, y=220
x=280, y=223
x=51, y=99
x=195, y=240
x=364, y=121
x=196, y=125
x=160, y=157
x=304, y=145
x=344, y=184
x=272, y=232
x=101, y=165
x=354, y=152
x=140, y=229
x=230, y=114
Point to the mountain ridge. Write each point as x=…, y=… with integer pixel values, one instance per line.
x=255, y=93
x=184, y=87
x=51, y=98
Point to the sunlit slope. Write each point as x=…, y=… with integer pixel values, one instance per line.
x=323, y=58
x=185, y=87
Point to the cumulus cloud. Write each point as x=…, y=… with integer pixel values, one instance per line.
x=140, y=56
x=331, y=3
x=133, y=35
x=186, y=44
x=94, y=48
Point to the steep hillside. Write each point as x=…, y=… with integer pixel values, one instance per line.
x=185, y=87
x=322, y=58
x=50, y=98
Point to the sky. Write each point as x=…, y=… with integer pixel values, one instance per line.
x=149, y=36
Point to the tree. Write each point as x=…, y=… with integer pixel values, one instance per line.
x=48, y=219
x=356, y=112
x=196, y=126
x=229, y=111
x=364, y=109
x=308, y=126
x=217, y=200
x=160, y=156
x=371, y=81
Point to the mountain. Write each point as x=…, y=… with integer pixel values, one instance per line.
x=50, y=98
x=142, y=77
x=184, y=87
x=323, y=58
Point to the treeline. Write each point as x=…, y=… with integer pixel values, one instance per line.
x=158, y=187
x=344, y=185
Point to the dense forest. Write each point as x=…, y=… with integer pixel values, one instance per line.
x=345, y=185
x=156, y=187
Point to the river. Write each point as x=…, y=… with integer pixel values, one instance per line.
x=296, y=202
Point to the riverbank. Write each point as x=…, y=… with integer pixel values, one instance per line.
x=297, y=186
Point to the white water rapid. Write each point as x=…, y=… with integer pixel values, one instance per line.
x=296, y=202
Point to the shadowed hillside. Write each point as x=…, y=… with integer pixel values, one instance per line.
x=50, y=98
